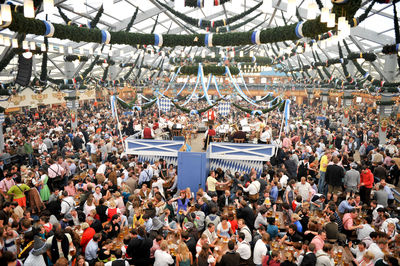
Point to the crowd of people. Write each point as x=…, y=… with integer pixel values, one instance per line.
x=71, y=196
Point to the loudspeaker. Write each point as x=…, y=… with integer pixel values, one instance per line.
x=24, y=71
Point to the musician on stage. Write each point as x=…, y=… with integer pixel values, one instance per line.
x=239, y=134
x=210, y=133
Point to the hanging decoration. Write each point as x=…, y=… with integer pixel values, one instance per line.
x=208, y=69
x=280, y=105
x=71, y=58
x=203, y=24
x=290, y=32
x=200, y=3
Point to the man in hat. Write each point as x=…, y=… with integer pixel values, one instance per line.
x=36, y=257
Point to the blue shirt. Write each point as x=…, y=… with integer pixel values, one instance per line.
x=389, y=192
x=273, y=194
x=299, y=226
x=145, y=176
x=91, y=250
x=345, y=207
x=272, y=230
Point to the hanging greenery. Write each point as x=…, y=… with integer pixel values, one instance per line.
x=234, y=27
x=91, y=24
x=207, y=69
x=280, y=105
x=385, y=103
x=129, y=26
x=366, y=75
x=259, y=60
x=200, y=3
x=200, y=111
x=203, y=24
x=71, y=58
x=310, y=28
x=107, y=61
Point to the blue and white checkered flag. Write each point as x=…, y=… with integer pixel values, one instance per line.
x=164, y=104
x=224, y=108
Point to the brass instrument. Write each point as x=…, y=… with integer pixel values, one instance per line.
x=234, y=126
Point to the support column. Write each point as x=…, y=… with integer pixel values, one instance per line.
x=324, y=99
x=310, y=95
x=347, y=102
x=73, y=105
x=2, y=118
x=390, y=67
x=385, y=109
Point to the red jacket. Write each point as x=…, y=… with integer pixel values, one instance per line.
x=147, y=133
x=86, y=237
x=367, y=178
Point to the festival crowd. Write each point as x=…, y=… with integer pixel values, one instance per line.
x=73, y=197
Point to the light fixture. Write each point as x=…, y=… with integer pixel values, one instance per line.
x=90, y=51
x=331, y=21
x=27, y=55
x=6, y=13
x=43, y=47
x=241, y=53
x=48, y=6
x=70, y=51
x=266, y=6
x=33, y=46
x=208, y=6
x=1, y=39
x=342, y=23
x=61, y=49
x=81, y=51
x=324, y=15
x=25, y=45
x=179, y=5
x=14, y=43
x=212, y=55
x=203, y=54
x=29, y=11
x=107, y=4
x=232, y=54
x=51, y=48
x=251, y=54
x=291, y=8
x=222, y=54
x=6, y=42
x=312, y=11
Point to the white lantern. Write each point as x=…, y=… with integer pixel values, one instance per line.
x=33, y=45
x=241, y=53
x=48, y=6
x=29, y=11
x=266, y=6
x=203, y=54
x=232, y=54
x=6, y=13
x=90, y=51
x=179, y=5
x=25, y=45
x=70, y=51
x=61, y=49
x=7, y=42
x=14, y=43
x=312, y=11
x=342, y=23
x=331, y=21
x=251, y=54
x=324, y=15
x=107, y=4
x=43, y=47
x=291, y=8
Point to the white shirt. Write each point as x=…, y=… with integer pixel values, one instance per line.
x=359, y=254
x=375, y=212
x=388, y=221
x=304, y=190
x=67, y=204
x=159, y=183
x=162, y=258
x=101, y=169
x=375, y=249
x=253, y=188
x=283, y=180
x=244, y=250
x=260, y=250
x=265, y=136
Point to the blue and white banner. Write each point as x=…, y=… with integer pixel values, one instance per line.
x=203, y=84
x=216, y=86
x=112, y=101
x=183, y=87
x=286, y=114
x=224, y=108
x=164, y=104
